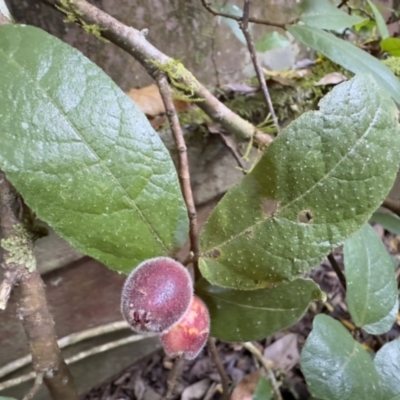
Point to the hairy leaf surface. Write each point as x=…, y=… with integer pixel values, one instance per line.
x=317, y=183
x=83, y=156
x=371, y=283
x=385, y=324
x=252, y=315
x=387, y=363
x=335, y=366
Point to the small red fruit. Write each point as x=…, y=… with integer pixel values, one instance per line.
x=156, y=295
x=189, y=336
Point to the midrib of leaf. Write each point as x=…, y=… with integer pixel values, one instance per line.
x=113, y=177
x=232, y=238
x=364, y=311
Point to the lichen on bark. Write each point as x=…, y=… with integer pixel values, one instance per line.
x=20, y=248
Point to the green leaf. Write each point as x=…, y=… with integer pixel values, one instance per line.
x=270, y=41
x=317, y=183
x=391, y=46
x=242, y=316
x=387, y=363
x=380, y=22
x=325, y=15
x=371, y=283
x=264, y=390
x=7, y=398
x=389, y=221
x=385, y=324
x=348, y=56
x=82, y=155
x=366, y=24
x=335, y=366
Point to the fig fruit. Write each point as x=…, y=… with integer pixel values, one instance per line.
x=188, y=336
x=156, y=295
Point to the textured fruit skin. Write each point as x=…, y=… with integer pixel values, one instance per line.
x=156, y=295
x=189, y=336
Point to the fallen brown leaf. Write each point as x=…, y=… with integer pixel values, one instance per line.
x=245, y=389
x=148, y=99
x=283, y=353
x=333, y=78
x=196, y=391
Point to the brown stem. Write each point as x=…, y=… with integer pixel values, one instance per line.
x=337, y=269
x=208, y=7
x=183, y=165
x=392, y=205
x=173, y=376
x=155, y=62
x=225, y=381
x=244, y=25
x=32, y=307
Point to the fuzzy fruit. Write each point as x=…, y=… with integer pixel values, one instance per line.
x=156, y=295
x=189, y=336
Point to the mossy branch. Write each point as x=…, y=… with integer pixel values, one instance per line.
x=155, y=62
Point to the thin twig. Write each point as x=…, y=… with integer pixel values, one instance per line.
x=337, y=269
x=78, y=357
x=183, y=165
x=253, y=350
x=173, y=376
x=32, y=307
x=342, y=3
x=207, y=5
x=67, y=341
x=392, y=205
x=225, y=381
x=155, y=62
x=35, y=388
x=244, y=25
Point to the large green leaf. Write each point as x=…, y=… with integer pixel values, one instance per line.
x=325, y=15
x=387, y=363
x=317, y=183
x=83, y=156
x=371, y=283
x=335, y=366
x=348, y=56
x=242, y=315
x=389, y=221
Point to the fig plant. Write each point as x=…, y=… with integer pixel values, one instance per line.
x=87, y=161
x=156, y=295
